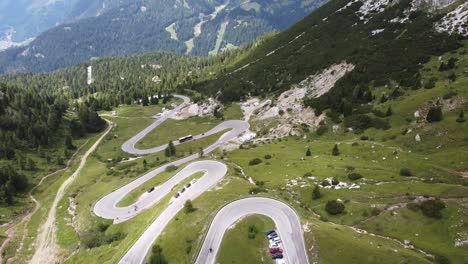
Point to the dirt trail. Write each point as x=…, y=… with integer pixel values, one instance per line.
x=10, y=232
x=48, y=250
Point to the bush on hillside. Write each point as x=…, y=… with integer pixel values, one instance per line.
x=432, y=208
x=354, y=176
x=316, y=193
x=255, y=161
x=434, y=114
x=405, y=172
x=267, y=157
x=335, y=150
x=461, y=117
x=171, y=168
x=334, y=207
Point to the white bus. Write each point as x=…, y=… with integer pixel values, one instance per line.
x=185, y=139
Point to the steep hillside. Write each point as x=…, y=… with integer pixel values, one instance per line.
x=197, y=27
x=385, y=41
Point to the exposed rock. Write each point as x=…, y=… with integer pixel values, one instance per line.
x=455, y=21
x=319, y=84
x=417, y=138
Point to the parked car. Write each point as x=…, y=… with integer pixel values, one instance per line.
x=150, y=189
x=193, y=181
x=276, y=239
x=183, y=190
x=188, y=185
x=273, y=244
x=276, y=250
x=277, y=256
x=176, y=195
x=273, y=235
x=269, y=232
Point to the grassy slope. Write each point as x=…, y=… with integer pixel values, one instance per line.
x=332, y=241
x=45, y=195
x=174, y=129
x=98, y=179
x=251, y=250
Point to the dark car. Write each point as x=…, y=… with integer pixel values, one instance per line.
x=150, y=189
x=183, y=190
x=176, y=195
x=277, y=256
x=188, y=185
x=269, y=232
x=272, y=235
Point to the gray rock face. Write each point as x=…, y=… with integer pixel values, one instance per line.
x=436, y=4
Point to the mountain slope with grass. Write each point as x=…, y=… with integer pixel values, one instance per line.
x=386, y=44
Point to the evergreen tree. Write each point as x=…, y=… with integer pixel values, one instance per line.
x=157, y=256
x=170, y=150
x=389, y=111
x=308, y=152
x=335, y=151
x=188, y=207
x=461, y=117
x=144, y=100
x=145, y=163
x=434, y=114
x=69, y=142
x=316, y=193
x=200, y=152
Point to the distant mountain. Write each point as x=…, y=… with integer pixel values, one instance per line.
x=110, y=28
x=21, y=20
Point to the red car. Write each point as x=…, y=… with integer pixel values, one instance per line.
x=276, y=250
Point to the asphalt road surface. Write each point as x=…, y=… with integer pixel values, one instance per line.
x=286, y=220
x=213, y=171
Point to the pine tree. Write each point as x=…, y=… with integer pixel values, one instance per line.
x=308, y=152
x=316, y=193
x=200, y=152
x=69, y=142
x=434, y=114
x=335, y=151
x=461, y=117
x=145, y=163
x=170, y=150
x=389, y=111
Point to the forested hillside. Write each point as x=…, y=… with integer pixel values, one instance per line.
x=197, y=27
x=382, y=52
x=37, y=130
x=130, y=80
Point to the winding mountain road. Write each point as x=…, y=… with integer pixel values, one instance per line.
x=285, y=218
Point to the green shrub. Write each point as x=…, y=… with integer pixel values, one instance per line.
x=334, y=207
x=439, y=259
x=321, y=130
x=335, y=150
x=316, y=193
x=255, y=161
x=461, y=117
x=267, y=157
x=354, y=176
x=405, y=172
x=188, y=207
x=253, y=231
x=171, y=168
x=434, y=114
x=256, y=190
x=432, y=208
